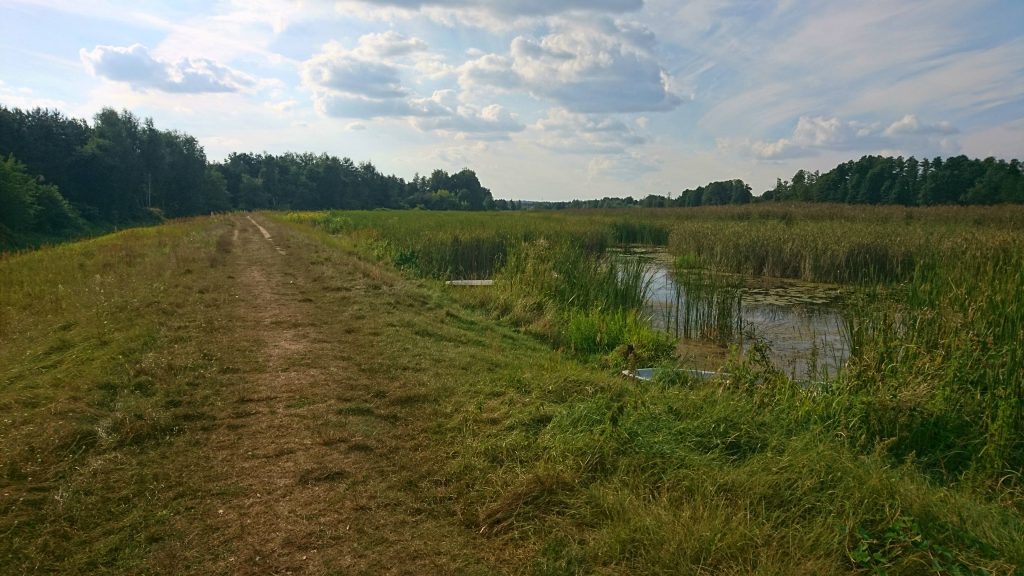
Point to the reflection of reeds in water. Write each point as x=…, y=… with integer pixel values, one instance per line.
x=704, y=306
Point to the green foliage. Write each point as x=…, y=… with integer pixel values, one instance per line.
x=17, y=195
x=938, y=374
x=120, y=169
x=934, y=374
x=901, y=540
x=639, y=232
x=32, y=208
x=888, y=180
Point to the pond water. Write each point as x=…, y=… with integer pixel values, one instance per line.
x=801, y=323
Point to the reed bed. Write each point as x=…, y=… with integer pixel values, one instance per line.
x=909, y=462
x=936, y=367
x=588, y=304
x=936, y=371
x=937, y=374
x=706, y=307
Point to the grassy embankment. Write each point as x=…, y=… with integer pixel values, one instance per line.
x=933, y=391
x=387, y=425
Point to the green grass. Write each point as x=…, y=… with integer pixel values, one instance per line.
x=935, y=376
x=91, y=407
x=936, y=369
x=533, y=456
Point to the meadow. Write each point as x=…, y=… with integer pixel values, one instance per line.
x=933, y=384
x=336, y=407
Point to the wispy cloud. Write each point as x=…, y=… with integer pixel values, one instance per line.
x=26, y=99
x=814, y=135
x=138, y=68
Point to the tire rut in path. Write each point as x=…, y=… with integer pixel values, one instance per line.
x=307, y=488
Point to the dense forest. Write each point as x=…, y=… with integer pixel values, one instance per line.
x=908, y=181
x=870, y=180
x=713, y=194
x=61, y=177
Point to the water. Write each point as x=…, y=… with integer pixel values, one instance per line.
x=800, y=323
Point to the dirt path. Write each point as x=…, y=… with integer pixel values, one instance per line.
x=321, y=467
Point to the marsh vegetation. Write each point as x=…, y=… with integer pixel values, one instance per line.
x=925, y=312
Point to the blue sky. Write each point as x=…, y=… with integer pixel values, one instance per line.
x=545, y=99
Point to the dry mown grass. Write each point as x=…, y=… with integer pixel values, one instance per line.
x=188, y=399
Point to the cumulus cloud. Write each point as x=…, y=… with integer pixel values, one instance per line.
x=909, y=124
x=389, y=45
x=489, y=71
x=814, y=134
x=491, y=122
x=138, y=68
x=364, y=82
x=600, y=67
x=344, y=72
x=349, y=106
x=367, y=82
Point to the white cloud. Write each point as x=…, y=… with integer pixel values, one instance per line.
x=367, y=82
x=518, y=7
x=389, y=44
x=596, y=67
x=138, y=68
x=909, y=124
x=566, y=131
x=338, y=105
x=342, y=71
x=489, y=71
x=491, y=122
x=815, y=134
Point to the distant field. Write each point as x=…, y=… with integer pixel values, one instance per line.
x=199, y=398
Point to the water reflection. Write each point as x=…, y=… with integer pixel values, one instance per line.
x=801, y=323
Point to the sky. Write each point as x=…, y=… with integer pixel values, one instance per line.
x=544, y=99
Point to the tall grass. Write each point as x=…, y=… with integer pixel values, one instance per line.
x=938, y=375
x=587, y=303
x=707, y=306
x=936, y=366
x=552, y=275
x=453, y=245
x=909, y=463
x=631, y=231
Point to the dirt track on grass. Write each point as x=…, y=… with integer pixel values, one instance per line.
x=319, y=466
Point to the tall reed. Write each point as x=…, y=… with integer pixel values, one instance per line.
x=589, y=304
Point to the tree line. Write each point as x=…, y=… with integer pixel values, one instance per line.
x=869, y=180
x=908, y=181
x=61, y=177
x=712, y=194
